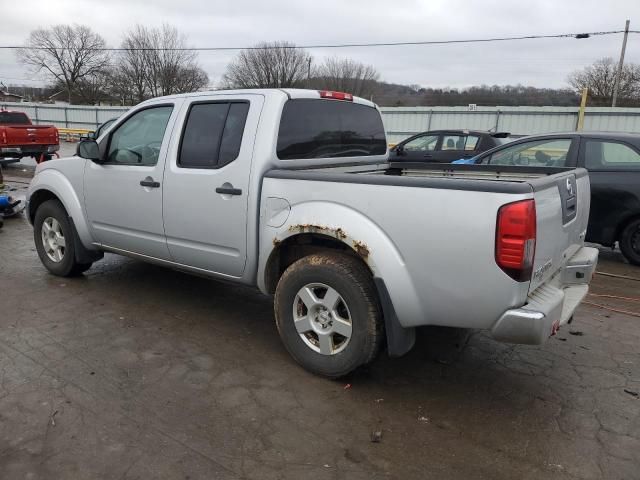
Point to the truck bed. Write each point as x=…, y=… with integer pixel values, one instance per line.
x=486, y=178
x=441, y=221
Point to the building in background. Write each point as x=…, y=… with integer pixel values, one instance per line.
x=10, y=97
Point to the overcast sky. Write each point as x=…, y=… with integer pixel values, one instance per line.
x=541, y=63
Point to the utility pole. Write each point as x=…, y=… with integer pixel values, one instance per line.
x=583, y=105
x=616, y=85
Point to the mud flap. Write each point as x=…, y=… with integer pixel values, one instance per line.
x=83, y=255
x=400, y=340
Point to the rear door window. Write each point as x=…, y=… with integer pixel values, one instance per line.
x=603, y=155
x=459, y=142
x=471, y=143
x=311, y=128
x=212, y=134
x=452, y=142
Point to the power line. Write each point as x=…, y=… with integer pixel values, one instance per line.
x=342, y=45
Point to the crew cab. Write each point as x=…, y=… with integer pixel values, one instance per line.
x=291, y=191
x=446, y=145
x=20, y=138
x=613, y=162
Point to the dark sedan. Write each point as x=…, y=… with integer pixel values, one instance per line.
x=445, y=145
x=613, y=162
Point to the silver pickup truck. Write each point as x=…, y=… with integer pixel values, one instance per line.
x=290, y=191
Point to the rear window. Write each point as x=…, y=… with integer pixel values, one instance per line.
x=328, y=129
x=14, y=118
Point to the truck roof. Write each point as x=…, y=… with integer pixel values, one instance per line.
x=289, y=92
x=587, y=133
x=632, y=138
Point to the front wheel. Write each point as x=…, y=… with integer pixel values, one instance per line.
x=630, y=242
x=54, y=238
x=328, y=314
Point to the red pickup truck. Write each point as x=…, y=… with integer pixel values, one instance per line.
x=20, y=138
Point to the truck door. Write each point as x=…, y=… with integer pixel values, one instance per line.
x=123, y=195
x=614, y=173
x=207, y=183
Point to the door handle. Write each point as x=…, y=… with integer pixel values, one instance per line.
x=149, y=182
x=428, y=155
x=227, y=189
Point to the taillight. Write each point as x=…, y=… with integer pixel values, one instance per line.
x=516, y=239
x=57, y=137
x=336, y=95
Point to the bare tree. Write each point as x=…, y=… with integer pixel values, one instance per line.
x=69, y=55
x=156, y=62
x=346, y=75
x=91, y=90
x=122, y=89
x=600, y=77
x=131, y=71
x=268, y=65
x=191, y=79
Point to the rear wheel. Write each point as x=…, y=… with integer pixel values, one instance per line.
x=328, y=314
x=54, y=238
x=630, y=242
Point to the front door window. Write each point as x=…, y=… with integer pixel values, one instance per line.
x=138, y=140
x=426, y=143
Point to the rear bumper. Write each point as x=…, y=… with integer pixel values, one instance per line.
x=11, y=150
x=551, y=305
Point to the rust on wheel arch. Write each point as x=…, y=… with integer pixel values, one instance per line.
x=361, y=249
x=338, y=232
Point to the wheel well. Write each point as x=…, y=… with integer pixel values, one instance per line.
x=296, y=247
x=37, y=199
x=624, y=224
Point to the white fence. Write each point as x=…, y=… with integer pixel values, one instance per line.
x=66, y=116
x=400, y=122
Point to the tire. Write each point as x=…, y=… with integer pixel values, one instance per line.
x=57, y=253
x=343, y=300
x=630, y=242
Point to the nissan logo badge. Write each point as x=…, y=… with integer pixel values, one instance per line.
x=569, y=187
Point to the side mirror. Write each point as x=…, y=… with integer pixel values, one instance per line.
x=89, y=149
x=398, y=149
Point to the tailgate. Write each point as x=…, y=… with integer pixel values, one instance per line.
x=562, y=213
x=20, y=135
